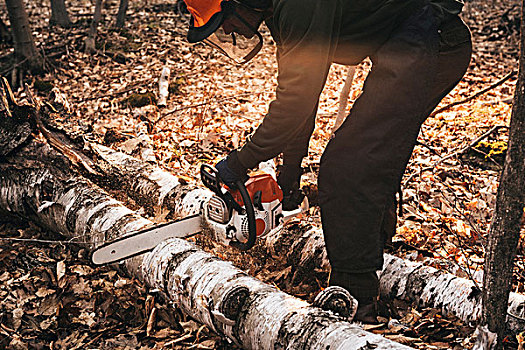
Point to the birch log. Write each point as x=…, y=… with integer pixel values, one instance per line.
x=37, y=185
x=304, y=250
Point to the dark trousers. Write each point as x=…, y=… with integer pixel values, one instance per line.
x=362, y=166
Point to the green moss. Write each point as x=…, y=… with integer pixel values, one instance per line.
x=496, y=149
x=486, y=155
x=43, y=85
x=140, y=99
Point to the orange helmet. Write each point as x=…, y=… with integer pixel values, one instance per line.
x=206, y=17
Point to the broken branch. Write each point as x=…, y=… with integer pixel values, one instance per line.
x=476, y=95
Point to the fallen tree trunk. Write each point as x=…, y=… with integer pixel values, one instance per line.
x=305, y=251
x=434, y=288
x=38, y=184
x=252, y=314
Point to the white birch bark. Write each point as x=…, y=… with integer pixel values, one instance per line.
x=413, y=282
x=435, y=288
x=252, y=314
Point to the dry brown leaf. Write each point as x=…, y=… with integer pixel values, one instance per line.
x=48, y=306
x=61, y=270
x=17, y=313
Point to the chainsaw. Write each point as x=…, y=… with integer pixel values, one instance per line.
x=236, y=217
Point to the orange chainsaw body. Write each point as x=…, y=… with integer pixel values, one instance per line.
x=265, y=184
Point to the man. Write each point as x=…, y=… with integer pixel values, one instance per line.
x=419, y=49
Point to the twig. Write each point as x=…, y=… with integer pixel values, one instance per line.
x=461, y=213
x=470, y=145
x=31, y=240
x=8, y=330
x=468, y=273
x=12, y=67
x=487, y=156
x=432, y=150
x=421, y=171
x=228, y=110
x=101, y=333
x=477, y=94
x=134, y=86
x=178, y=340
x=111, y=94
x=207, y=102
x=516, y=316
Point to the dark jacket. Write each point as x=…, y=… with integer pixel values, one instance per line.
x=310, y=36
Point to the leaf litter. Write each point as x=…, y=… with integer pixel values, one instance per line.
x=53, y=299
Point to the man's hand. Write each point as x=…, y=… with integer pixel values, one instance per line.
x=289, y=179
x=231, y=170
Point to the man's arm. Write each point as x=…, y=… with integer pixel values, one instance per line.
x=293, y=154
x=308, y=31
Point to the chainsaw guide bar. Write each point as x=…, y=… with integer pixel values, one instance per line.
x=145, y=240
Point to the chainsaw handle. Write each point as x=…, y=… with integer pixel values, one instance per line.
x=210, y=178
x=250, y=215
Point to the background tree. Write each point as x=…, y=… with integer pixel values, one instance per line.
x=121, y=15
x=26, y=52
x=92, y=34
x=59, y=14
x=506, y=222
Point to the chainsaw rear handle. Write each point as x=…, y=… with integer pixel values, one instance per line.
x=250, y=215
x=211, y=179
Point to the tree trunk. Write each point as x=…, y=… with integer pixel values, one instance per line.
x=38, y=184
x=121, y=14
x=25, y=47
x=505, y=228
x=90, y=40
x=304, y=250
x=59, y=14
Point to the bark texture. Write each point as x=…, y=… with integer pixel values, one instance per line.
x=121, y=14
x=59, y=14
x=434, y=288
x=25, y=48
x=15, y=133
x=251, y=313
x=506, y=223
x=305, y=251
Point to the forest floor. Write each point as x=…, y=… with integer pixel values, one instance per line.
x=50, y=295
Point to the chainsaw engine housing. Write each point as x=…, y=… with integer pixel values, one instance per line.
x=232, y=226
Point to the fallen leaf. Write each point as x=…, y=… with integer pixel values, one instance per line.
x=18, y=313
x=61, y=270
x=48, y=306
